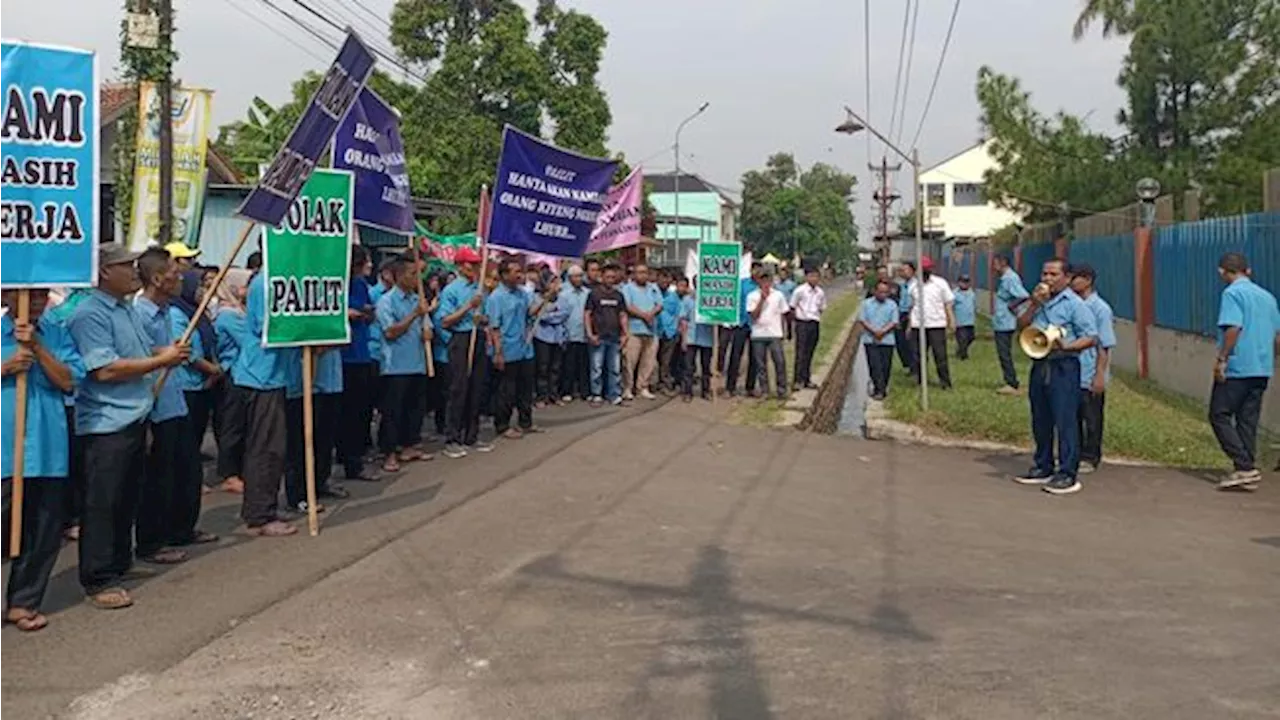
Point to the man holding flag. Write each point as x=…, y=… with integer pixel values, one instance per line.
x=460, y=314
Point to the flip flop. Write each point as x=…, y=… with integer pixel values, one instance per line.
x=111, y=599
x=200, y=537
x=29, y=621
x=168, y=556
x=390, y=466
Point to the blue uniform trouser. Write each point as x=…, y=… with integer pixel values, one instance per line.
x=1054, y=392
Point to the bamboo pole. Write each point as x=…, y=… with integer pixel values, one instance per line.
x=19, y=438
x=483, y=226
x=309, y=437
x=422, y=298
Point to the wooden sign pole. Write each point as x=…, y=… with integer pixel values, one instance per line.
x=422, y=297
x=19, y=438
x=309, y=437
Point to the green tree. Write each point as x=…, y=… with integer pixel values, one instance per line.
x=787, y=211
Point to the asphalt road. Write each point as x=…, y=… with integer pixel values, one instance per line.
x=666, y=565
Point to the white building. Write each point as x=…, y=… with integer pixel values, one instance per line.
x=956, y=208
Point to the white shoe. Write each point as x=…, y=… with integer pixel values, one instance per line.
x=628, y=397
x=647, y=395
x=1242, y=479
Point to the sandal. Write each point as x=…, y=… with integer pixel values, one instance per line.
x=200, y=537
x=168, y=556
x=72, y=534
x=512, y=434
x=111, y=599
x=413, y=455
x=26, y=620
x=336, y=492
x=233, y=485
x=390, y=465
x=275, y=528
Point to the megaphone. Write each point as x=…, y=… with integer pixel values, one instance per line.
x=1037, y=343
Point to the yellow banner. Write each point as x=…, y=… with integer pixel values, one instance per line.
x=192, y=112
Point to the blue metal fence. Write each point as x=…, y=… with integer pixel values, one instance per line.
x=1185, y=262
x=1034, y=257
x=1112, y=257
x=983, y=269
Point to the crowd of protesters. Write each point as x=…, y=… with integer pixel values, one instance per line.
x=119, y=403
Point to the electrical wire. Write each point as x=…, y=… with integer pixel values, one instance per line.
x=305, y=27
x=380, y=53
x=866, y=63
x=368, y=31
x=937, y=73
x=897, y=83
x=276, y=31
x=371, y=13
x=906, y=79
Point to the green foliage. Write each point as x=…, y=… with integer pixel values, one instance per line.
x=785, y=211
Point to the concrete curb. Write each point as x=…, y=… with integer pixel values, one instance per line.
x=798, y=407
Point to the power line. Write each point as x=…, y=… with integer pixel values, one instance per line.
x=395, y=62
x=906, y=82
x=866, y=62
x=276, y=31
x=897, y=83
x=371, y=13
x=369, y=31
x=305, y=27
x=937, y=73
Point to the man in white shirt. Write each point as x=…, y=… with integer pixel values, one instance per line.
x=766, y=306
x=807, y=303
x=931, y=297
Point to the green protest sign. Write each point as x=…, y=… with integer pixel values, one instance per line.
x=442, y=249
x=718, y=294
x=306, y=261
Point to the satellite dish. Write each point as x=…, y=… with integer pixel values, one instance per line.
x=1148, y=189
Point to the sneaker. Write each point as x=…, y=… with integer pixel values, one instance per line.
x=628, y=397
x=1062, y=485
x=595, y=402
x=1241, y=480
x=647, y=395
x=1035, y=476
x=455, y=451
x=1087, y=467
x=616, y=401
x=482, y=447
x=566, y=399
x=512, y=434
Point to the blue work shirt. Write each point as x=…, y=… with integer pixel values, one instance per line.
x=695, y=334
x=1009, y=289
x=906, y=295
x=1248, y=306
x=786, y=287
x=440, y=337
x=230, y=328
x=575, y=304
x=258, y=367
x=1102, y=319
x=669, y=318
x=171, y=402
x=376, y=291
x=105, y=330
x=327, y=369
x=550, y=327
x=60, y=315
x=406, y=355
x=1067, y=311
x=876, y=314
x=454, y=297
x=644, y=299
x=964, y=309
x=508, y=312
x=356, y=352
x=746, y=286
x=185, y=376
x=45, y=447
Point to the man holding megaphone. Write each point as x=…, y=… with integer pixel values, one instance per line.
x=1066, y=328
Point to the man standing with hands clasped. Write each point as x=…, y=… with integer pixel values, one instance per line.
x=808, y=302
x=766, y=307
x=1095, y=369
x=934, y=309
x=1054, y=390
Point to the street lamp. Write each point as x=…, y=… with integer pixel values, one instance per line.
x=850, y=126
x=679, y=128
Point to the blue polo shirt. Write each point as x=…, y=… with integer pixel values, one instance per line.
x=258, y=367
x=1067, y=311
x=454, y=297
x=746, y=286
x=786, y=287
x=45, y=447
x=440, y=338
x=405, y=355
x=1248, y=306
x=550, y=325
x=575, y=304
x=508, y=312
x=327, y=367
x=964, y=309
x=669, y=318
x=230, y=328
x=171, y=402
x=1008, y=289
x=877, y=314
x=906, y=295
x=641, y=298
x=105, y=330
x=695, y=334
x=357, y=352
x=1102, y=319
x=186, y=376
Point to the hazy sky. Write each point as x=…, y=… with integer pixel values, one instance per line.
x=776, y=72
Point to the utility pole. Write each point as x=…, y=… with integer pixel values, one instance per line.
x=166, y=125
x=884, y=198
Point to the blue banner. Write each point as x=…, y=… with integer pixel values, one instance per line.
x=49, y=156
x=546, y=200
x=288, y=172
x=369, y=144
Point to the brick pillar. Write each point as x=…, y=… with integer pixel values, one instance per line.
x=1144, y=295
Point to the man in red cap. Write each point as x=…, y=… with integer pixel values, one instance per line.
x=932, y=307
x=460, y=314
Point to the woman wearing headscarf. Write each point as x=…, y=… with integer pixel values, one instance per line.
x=229, y=330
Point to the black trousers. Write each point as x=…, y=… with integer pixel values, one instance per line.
x=703, y=356
x=548, y=358
x=1004, y=349
x=402, y=412
x=44, y=514
x=879, y=367
x=465, y=389
x=1234, y=408
x=74, y=495
x=169, y=500
x=575, y=379
x=515, y=392
x=354, y=416
x=114, y=464
x=964, y=338
x=806, y=332
x=200, y=409
x=740, y=345
x=438, y=397
x=266, y=441
x=233, y=420
x=936, y=338
x=902, y=341
x=667, y=351
x=724, y=336
x=1091, y=417
x=325, y=407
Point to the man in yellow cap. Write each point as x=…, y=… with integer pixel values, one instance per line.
x=186, y=256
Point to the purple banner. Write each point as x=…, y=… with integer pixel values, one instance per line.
x=546, y=200
x=368, y=143
x=269, y=201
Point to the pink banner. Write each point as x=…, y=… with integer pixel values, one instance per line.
x=618, y=225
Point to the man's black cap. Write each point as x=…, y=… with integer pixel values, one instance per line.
x=1083, y=270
